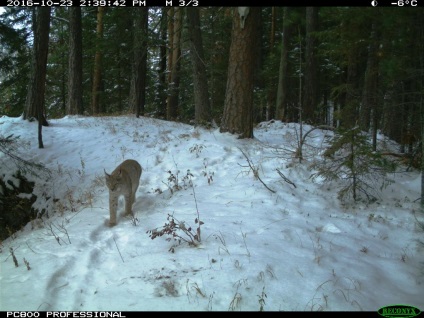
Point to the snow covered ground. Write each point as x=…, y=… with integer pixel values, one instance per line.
x=268, y=245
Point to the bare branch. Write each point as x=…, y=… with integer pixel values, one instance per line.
x=285, y=178
x=255, y=170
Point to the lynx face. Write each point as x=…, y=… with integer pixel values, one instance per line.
x=124, y=180
x=113, y=183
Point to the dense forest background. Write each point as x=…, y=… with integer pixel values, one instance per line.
x=339, y=67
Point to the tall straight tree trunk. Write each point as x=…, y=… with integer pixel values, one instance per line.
x=174, y=36
x=201, y=93
x=97, y=74
x=272, y=32
x=283, y=78
x=139, y=70
x=37, y=84
x=271, y=89
x=311, y=75
x=238, y=106
x=351, y=96
x=75, y=89
x=161, y=92
x=63, y=65
x=370, y=110
x=422, y=136
x=420, y=83
x=36, y=88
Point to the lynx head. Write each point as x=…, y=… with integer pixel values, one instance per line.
x=113, y=181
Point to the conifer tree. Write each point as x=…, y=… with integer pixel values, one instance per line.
x=350, y=159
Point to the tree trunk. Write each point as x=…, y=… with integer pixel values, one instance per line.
x=369, y=110
x=139, y=70
x=271, y=88
x=97, y=75
x=75, y=89
x=36, y=88
x=420, y=40
x=351, y=97
x=201, y=93
x=161, y=92
x=311, y=76
x=238, y=106
x=174, y=36
x=422, y=143
x=37, y=84
x=272, y=32
x=283, y=78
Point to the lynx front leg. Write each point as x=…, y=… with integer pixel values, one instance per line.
x=113, y=207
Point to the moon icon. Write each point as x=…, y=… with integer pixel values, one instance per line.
x=374, y=3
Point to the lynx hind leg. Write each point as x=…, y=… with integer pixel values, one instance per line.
x=137, y=183
x=128, y=204
x=134, y=197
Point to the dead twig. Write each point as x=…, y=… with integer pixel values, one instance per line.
x=255, y=170
x=118, y=250
x=285, y=178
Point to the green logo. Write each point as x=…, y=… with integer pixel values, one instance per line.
x=399, y=311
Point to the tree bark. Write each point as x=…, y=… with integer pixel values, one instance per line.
x=139, y=70
x=36, y=88
x=283, y=78
x=311, y=73
x=75, y=89
x=97, y=75
x=271, y=88
x=37, y=85
x=238, y=106
x=174, y=36
x=161, y=93
x=370, y=110
x=201, y=93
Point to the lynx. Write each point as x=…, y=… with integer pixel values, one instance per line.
x=124, y=180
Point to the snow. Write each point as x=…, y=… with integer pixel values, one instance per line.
x=295, y=249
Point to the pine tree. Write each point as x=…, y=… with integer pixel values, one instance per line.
x=75, y=87
x=350, y=159
x=201, y=94
x=139, y=65
x=97, y=74
x=238, y=108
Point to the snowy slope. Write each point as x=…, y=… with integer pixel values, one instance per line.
x=296, y=248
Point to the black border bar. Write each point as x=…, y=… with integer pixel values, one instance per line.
x=214, y=3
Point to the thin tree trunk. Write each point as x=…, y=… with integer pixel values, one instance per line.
x=422, y=142
x=75, y=89
x=97, y=75
x=420, y=84
x=139, y=71
x=281, y=104
x=174, y=35
x=311, y=75
x=271, y=89
x=370, y=110
x=201, y=93
x=161, y=94
x=272, y=32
